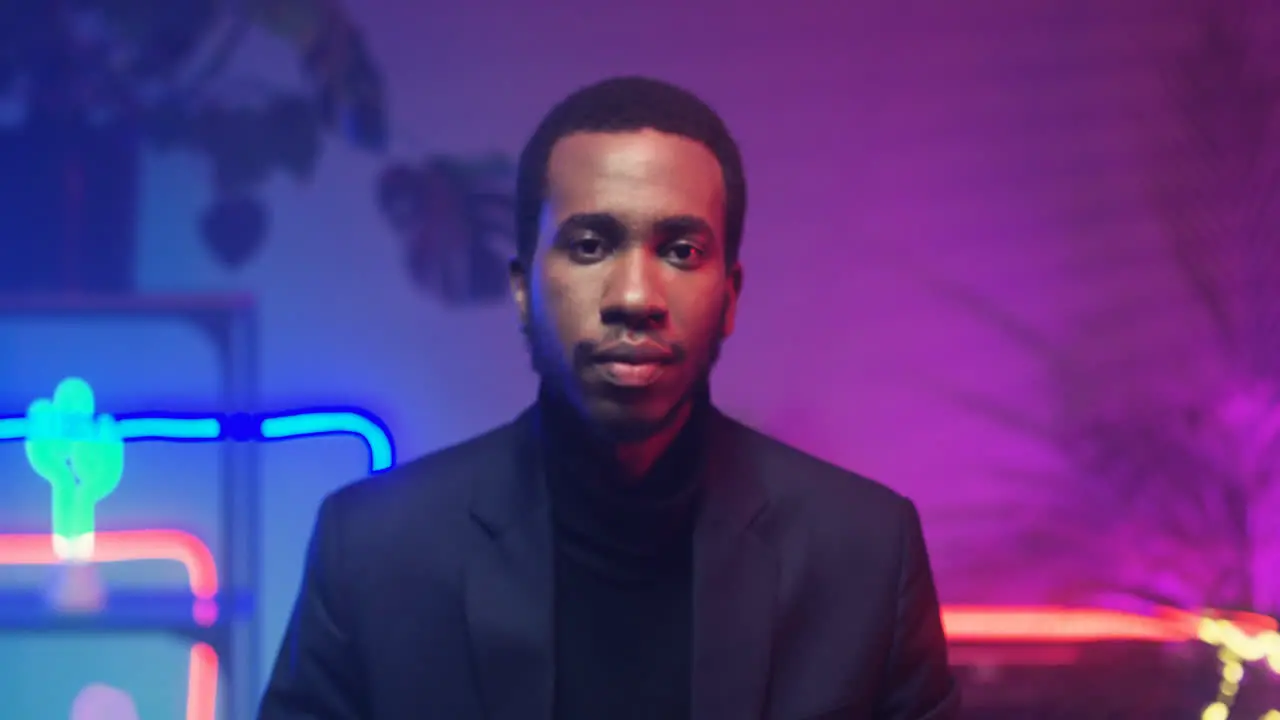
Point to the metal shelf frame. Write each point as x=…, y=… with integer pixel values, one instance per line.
x=231, y=324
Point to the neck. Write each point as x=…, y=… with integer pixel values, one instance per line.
x=637, y=458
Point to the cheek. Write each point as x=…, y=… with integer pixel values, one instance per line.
x=703, y=314
x=561, y=306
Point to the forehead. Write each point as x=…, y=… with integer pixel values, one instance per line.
x=637, y=176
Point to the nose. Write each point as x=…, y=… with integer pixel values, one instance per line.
x=634, y=295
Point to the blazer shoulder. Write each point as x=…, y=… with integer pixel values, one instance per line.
x=791, y=474
x=851, y=528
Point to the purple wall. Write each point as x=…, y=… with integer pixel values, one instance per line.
x=1002, y=144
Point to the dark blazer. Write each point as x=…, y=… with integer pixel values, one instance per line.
x=427, y=593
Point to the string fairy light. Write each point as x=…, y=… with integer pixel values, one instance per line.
x=1235, y=648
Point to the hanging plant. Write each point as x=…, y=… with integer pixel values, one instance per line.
x=155, y=73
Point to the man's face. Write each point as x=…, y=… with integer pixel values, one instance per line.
x=628, y=296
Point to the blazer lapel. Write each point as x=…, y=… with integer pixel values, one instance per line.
x=509, y=585
x=735, y=588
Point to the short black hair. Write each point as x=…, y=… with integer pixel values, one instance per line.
x=625, y=104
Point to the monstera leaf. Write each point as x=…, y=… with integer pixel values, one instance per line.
x=453, y=216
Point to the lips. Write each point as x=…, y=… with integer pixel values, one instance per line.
x=633, y=365
x=631, y=375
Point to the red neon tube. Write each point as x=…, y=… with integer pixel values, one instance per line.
x=124, y=546
x=988, y=624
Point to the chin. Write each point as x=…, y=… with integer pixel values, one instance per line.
x=628, y=421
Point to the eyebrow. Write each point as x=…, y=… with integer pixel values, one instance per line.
x=678, y=226
x=598, y=222
x=674, y=226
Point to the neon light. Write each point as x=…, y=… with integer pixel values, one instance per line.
x=82, y=457
x=173, y=545
x=135, y=428
x=131, y=545
x=170, y=428
x=985, y=624
x=202, y=683
x=244, y=428
x=310, y=424
x=1052, y=625
x=13, y=428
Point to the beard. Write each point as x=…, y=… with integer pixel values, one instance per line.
x=559, y=371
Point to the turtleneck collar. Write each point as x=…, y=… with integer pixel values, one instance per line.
x=628, y=529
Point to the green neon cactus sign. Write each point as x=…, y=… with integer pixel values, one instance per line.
x=81, y=455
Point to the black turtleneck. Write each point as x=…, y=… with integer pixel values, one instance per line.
x=623, y=572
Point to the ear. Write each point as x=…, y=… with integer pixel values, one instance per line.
x=518, y=278
x=732, y=293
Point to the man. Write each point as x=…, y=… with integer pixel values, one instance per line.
x=621, y=550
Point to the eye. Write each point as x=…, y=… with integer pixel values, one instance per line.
x=587, y=249
x=684, y=254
